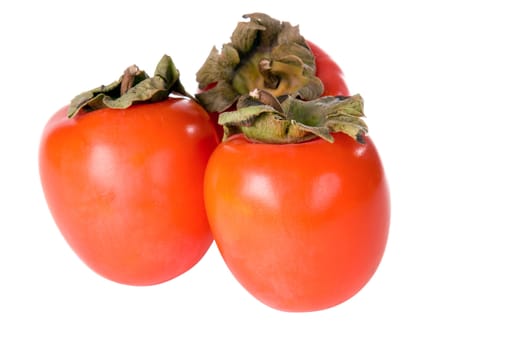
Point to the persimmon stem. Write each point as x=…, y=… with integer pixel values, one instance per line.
x=271, y=81
x=128, y=78
x=266, y=98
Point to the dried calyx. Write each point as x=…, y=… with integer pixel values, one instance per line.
x=263, y=54
x=263, y=118
x=134, y=86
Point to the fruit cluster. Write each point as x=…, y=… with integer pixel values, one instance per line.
x=270, y=158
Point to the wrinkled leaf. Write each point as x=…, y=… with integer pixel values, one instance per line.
x=295, y=120
x=265, y=54
x=243, y=37
x=219, y=98
x=132, y=87
x=219, y=67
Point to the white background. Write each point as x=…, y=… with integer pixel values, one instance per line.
x=445, y=89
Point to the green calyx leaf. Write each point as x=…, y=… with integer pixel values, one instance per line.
x=263, y=54
x=134, y=86
x=263, y=118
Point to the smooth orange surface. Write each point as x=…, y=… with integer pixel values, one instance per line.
x=125, y=187
x=302, y=227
